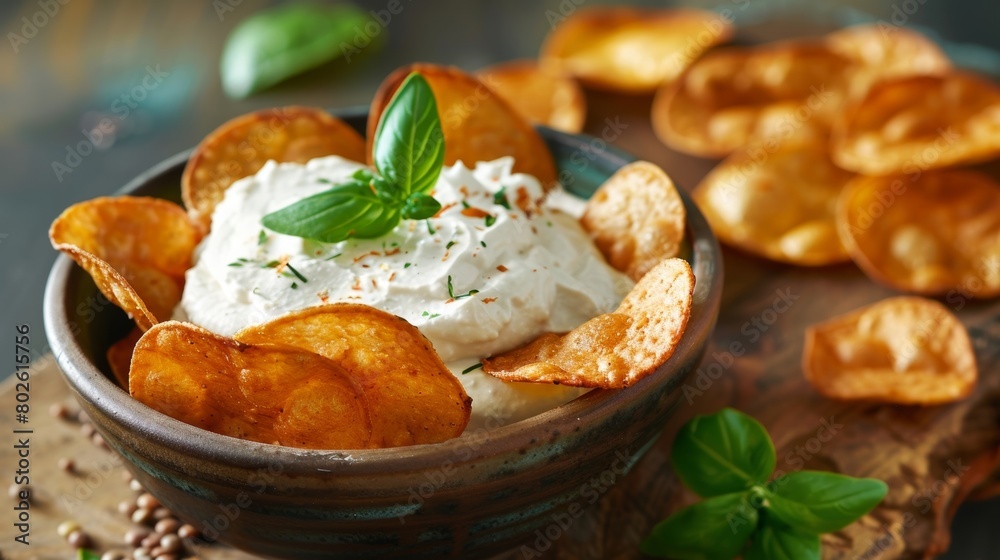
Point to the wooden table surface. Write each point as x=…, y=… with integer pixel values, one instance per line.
x=915, y=450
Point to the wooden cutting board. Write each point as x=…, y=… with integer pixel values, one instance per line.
x=932, y=458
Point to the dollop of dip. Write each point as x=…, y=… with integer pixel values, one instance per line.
x=496, y=267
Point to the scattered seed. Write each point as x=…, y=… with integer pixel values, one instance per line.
x=126, y=476
x=152, y=541
x=67, y=527
x=168, y=526
x=162, y=513
x=78, y=539
x=14, y=491
x=135, y=486
x=82, y=417
x=67, y=464
x=187, y=531
x=141, y=554
x=166, y=557
x=147, y=500
x=127, y=508
x=113, y=555
x=135, y=537
x=170, y=543
x=142, y=516
x=58, y=410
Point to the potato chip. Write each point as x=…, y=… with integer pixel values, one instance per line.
x=137, y=249
x=933, y=233
x=919, y=122
x=542, y=95
x=719, y=104
x=119, y=356
x=632, y=50
x=413, y=397
x=636, y=218
x=241, y=146
x=880, y=53
x=613, y=350
x=266, y=393
x=777, y=201
x=477, y=124
x=903, y=350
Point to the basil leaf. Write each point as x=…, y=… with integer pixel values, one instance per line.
x=420, y=206
x=776, y=541
x=347, y=210
x=409, y=144
x=713, y=529
x=723, y=453
x=823, y=502
x=278, y=43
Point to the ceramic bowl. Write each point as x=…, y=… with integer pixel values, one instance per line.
x=473, y=496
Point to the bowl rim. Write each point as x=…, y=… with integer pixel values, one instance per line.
x=92, y=385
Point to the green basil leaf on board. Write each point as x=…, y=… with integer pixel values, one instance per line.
x=713, y=529
x=823, y=502
x=723, y=453
x=774, y=540
x=409, y=145
x=276, y=44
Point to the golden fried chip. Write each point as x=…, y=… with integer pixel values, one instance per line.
x=777, y=201
x=904, y=350
x=542, y=95
x=719, y=104
x=919, y=122
x=119, y=356
x=477, y=124
x=632, y=50
x=882, y=52
x=933, y=233
x=241, y=146
x=267, y=393
x=613, y=350
x=413, y=397
x=636, y=218
x=137, y=249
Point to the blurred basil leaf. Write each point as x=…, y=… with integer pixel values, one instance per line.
x=777, y=541
x=276, y=44
x=713, y=529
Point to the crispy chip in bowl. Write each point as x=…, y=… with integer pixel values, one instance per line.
x=636, y=218
x=777, y=203
x=632, y=50
x=477, y=124
x=904, y=350
x=880, y=53
x=543, y=95
x=413, y=397
x=241, y=146
x=916, y=123
x=268, y=393
x=934, y=233
x=613, y=350
x=136, y=249
x=717, y=105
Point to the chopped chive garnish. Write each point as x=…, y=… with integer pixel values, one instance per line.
x=490, y=220
x=450, y=244
x=407, y=265
x=549, y=223
x=296, y=273
x=430, y=228
x=483, y=243
x=472, y=368
x=271, y=264
x=465, y=204
x=500, y=197
x=430, y=315
x=236, y=264
x=331, y=257
x=261, y=238
x=451, y=291
x=322, y=180
x=295, y=286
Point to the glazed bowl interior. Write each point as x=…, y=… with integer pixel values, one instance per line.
x=147, y=438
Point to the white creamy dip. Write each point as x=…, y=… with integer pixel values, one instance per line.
x=533, y=267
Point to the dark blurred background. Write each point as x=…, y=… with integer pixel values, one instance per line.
x=61, y=81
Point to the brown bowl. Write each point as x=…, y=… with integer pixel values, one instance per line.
x=473, y=496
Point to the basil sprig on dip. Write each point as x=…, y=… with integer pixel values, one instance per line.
x=408, y=154
x=727, y=458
